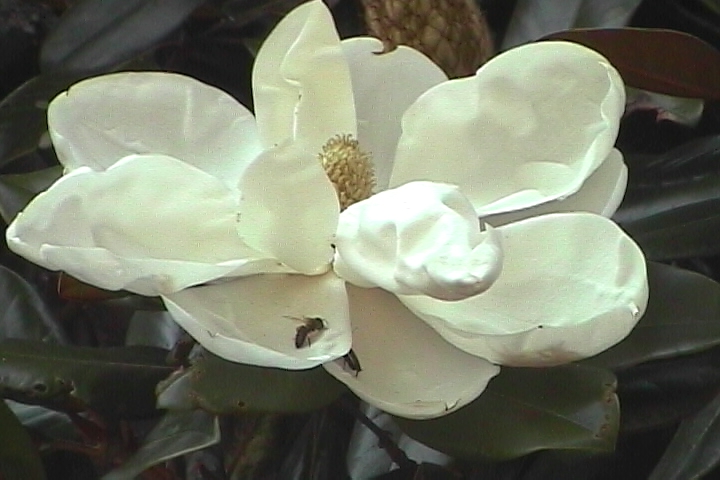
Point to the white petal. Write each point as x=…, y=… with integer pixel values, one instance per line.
x=149, y=224
x=103, y=119
x=529, y=128
x=407, y=369
x=289, y=208
x=254, y=320
x=421, y=238
x=301, y=83
x=601, y=193
x=573, y=284
x=384, y=86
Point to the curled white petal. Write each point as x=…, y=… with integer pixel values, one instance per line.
x=149, y=224
x=601, y=193
x=301, y=83
x=384, y=86
x=528, y=128
x=573, y=285
x=407, y=369
x=100, y=120
x=289, y=208
x=254, y=320
x=422, y=238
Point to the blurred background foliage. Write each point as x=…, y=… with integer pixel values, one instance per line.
x=100, y=383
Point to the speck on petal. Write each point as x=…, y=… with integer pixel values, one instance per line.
x=573, y=285
x=407, y=369
x=421, y=238
x=254, y=319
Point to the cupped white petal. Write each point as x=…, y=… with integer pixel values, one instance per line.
x=384, y=86
x=422, y=238
x=601, y=193
x=150, y=224
x=254, y=320
x=289, y=208
x=528, y=128
x=406, y=368
x=573, y=284
x=103, y=119
x=301, y=83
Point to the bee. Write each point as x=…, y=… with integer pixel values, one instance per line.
x=352, y=362
x=305, y=331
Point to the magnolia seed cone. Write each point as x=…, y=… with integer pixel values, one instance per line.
x=453, y=33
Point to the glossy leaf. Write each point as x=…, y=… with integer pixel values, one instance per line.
x=692, y=453
x=17, y=190
x=94, y=36
x=206, y=385
x=113, y=381
x=19, y=458
x=177, y=433
x=663, y=61
x=673, y=221
x=247, y=11
x=523, y=410
x=661, y=393
x=683, y=316
x=24, y=314
x=23, y=115
x=695, y=158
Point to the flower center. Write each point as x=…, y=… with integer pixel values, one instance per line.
x=349, y=169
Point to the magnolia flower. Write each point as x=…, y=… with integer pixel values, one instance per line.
x=249, y=227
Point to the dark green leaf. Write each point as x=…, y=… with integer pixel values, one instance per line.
x=660, y=393
x=223, y=387
x=695, y=158
x=663, y=61
x=23, y=115
x=24, y=314
x=93, y=36
x=19, y=459
x=674, y=221
x=693, y=451
x=246, y=11
x=176, y=434
x=17, y=190
x=114, y=381
x=683, y=316
x=523, y=410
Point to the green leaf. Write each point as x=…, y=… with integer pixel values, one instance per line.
x=683, y=316
x=693, y=451
x=523, y=410
x=661, y=393
x=206, y=385
x=24, y=314
x=117, y=381
x=19, y=459
x=673, y=221
x=23, y=115
x=663, y=61
x=693, y=159
x=94, y=36
x=176, y=434
x=17, y=190
x=247, y=11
